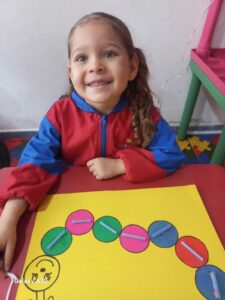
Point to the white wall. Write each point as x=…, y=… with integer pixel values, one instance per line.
x=33, y=52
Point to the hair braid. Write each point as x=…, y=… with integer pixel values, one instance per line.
x=140, y=101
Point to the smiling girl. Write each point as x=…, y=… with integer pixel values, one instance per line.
x=107, y=121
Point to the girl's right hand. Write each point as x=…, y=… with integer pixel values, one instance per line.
x=9, y=218
x=7, y=243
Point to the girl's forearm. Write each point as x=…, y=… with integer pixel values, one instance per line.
x=13, y=210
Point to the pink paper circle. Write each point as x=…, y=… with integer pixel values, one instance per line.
x=133, y=244
x=84, y=219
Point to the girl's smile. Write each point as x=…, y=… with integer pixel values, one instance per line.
x=99, y=66
x=99, y=83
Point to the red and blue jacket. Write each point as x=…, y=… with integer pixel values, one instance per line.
x=73, y=132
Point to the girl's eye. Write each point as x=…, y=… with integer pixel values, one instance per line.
x=81, y=58
x=109, y=54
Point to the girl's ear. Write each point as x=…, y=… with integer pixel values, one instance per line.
x=69, y=70
x=134, y=64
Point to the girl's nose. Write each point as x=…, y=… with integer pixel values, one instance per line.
x=96, y=65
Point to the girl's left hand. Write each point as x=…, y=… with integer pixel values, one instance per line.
x=106, y=168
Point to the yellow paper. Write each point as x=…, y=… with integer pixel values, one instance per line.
x=95, y=270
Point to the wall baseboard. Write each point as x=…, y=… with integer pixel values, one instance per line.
x=203, y=129
x=17, y=134
x=200, y=129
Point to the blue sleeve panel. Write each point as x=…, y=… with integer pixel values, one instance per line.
x=165, y=149
x=44, y=149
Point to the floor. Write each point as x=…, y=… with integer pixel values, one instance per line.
x=197, y=148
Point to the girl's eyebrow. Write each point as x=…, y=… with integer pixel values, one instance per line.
x=79, y=49
x=112, y=44
x=107, y=44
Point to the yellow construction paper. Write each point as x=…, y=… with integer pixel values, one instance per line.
x=90, y=269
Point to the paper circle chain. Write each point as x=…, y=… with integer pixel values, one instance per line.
x=136, y=239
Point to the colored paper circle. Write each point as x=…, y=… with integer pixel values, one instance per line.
x=163, y=234
x=80, y=222
x=134, y=238
x=107, y=229
x=210, y=281
x=56, y=241
x=192, y=251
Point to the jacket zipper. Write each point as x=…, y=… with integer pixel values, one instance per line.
x=103, y=135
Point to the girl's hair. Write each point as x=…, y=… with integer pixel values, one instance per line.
x=138, y=93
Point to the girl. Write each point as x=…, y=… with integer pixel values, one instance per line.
x=107, y=122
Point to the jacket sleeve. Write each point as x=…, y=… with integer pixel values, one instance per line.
x=163, y=156
x=39, y=166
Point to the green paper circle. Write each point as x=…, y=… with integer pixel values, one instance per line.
x=51, y=246
x=104, y=234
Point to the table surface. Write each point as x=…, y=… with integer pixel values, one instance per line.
x=209, y=180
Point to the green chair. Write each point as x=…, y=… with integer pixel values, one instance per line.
x=208, y=68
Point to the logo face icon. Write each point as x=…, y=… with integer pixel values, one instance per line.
x=41, y=273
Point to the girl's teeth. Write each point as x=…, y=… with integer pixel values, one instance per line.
x=98, y=83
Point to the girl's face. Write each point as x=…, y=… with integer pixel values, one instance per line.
x=99, y=66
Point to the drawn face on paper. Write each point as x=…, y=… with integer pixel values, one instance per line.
x=41, y=273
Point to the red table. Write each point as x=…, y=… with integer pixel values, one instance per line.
x=209, y=179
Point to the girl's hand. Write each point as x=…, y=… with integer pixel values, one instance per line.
x=7, y=243
x=9, y=218
x=106, y=168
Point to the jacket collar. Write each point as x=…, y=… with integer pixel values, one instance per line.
x=80, y=102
